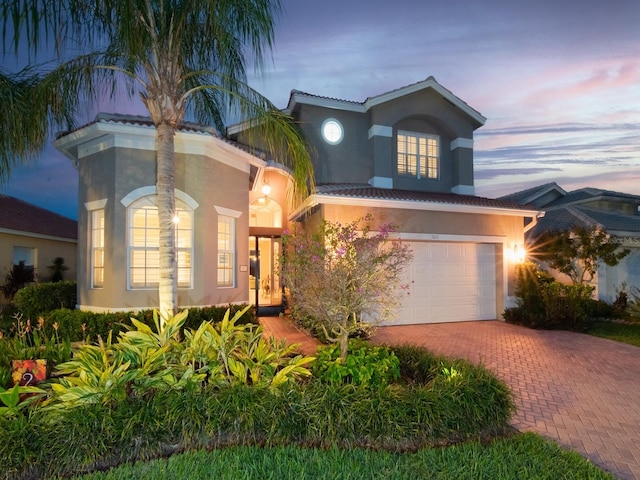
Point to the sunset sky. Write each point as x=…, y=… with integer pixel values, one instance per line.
x=558, y=80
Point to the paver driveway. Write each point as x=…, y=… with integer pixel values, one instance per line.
x=582, y=391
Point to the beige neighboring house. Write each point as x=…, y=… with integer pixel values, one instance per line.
x=405, y=156
x=36, y=236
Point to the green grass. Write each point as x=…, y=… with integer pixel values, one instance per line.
x=620, y=332
x=523, y=456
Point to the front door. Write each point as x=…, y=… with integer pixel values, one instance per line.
x=265, y=287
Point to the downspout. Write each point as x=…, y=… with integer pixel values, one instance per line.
x=534, y=221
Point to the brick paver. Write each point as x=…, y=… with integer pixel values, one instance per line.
x=581, y=391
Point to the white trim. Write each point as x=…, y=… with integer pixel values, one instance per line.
x=43, y=236
x=227, y=211
x=436, y=237
x=103, y=135
x=464, y=190
x=381, y=182
x=301, y=97
x=97, y=145
x=380, y=131
x=317, y=199
x=462, y=143
x=95, y=204
x=151, y=190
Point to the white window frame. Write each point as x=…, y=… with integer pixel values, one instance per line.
x=96, y=249
x=426, y=161
x=227, y=255
x=151, y=244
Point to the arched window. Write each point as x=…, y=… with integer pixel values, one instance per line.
x=144, y=243
x=265, y=212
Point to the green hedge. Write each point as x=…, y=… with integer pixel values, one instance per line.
x=34, y=300
x=77, y=325
x=405, y=416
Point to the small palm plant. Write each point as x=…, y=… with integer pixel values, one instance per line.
x=57, y=269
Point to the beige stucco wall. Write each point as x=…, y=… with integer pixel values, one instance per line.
x=46, y=249
x=113, y=174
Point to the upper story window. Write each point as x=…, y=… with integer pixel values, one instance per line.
x=144, y=243
x=332, y=131
x=418, y=154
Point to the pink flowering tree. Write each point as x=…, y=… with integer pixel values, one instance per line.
x=345, y=277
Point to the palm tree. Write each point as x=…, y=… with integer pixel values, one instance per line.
x=29, y=113
x=182, y=57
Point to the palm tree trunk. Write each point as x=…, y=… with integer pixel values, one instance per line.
x=168, y=283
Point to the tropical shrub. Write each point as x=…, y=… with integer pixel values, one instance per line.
x=345, y=277
x=579, y=251
x=37, y=299
x=145, y=360
x=430, y=409
x=551, y=305
x=366, y=366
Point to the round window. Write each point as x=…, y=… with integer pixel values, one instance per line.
x=332, y=131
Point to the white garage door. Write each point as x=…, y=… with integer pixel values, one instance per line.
x=449, y=282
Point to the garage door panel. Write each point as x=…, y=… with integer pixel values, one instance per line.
x=449, y=282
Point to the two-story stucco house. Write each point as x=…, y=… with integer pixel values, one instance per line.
x=405, y=156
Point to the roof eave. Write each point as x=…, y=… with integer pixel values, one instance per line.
x=318, y=199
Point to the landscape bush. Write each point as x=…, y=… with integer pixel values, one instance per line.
x=457, y=402
x=365, y=366
x=545, y=303
x=39, y=298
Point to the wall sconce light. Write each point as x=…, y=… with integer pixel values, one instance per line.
x=266, y=189
x=519, y=254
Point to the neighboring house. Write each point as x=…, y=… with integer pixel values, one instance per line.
x=617, y=213
x=35, y=236
x=405, y=156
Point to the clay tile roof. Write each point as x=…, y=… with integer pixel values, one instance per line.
x=367, y=191
x=26, y=217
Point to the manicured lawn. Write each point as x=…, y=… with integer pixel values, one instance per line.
x=524, y=456
x=620, y=332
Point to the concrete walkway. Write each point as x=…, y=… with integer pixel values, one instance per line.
x=581, y=391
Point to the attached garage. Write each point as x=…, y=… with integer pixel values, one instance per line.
x=450, y=282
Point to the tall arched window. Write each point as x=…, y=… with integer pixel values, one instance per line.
x=144, y=243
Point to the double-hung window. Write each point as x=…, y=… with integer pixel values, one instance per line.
x=144, y=243
x=97, y=248
x=418, y=155
x=226, y=250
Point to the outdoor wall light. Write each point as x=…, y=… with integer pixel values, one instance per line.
x=518, y=254
x=266, y=189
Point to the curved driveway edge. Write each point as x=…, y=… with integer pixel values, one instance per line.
x=579, y=390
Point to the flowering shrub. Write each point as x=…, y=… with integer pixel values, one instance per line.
x=344, y=276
